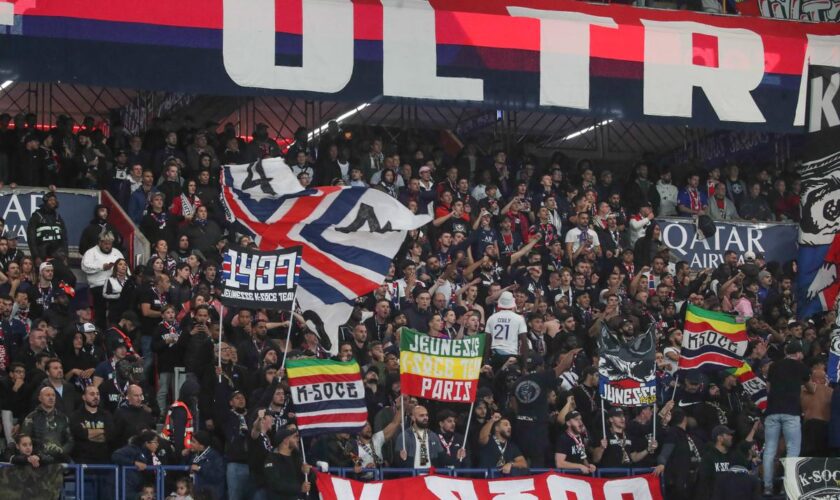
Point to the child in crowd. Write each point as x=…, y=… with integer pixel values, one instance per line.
x=183, y=490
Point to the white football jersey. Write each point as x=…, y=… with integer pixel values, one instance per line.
x=504, y=329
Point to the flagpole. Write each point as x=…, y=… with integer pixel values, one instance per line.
x=676, y=383
x=221, y=335
x=469, y=420
x=289, y=332
x=603, y=419
x=402, y=418
x=654, y=420
x=303, y=450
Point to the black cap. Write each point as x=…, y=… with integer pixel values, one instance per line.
x=615, y=412
x=131, y=316
x=693, y=377
x=793, y=347
x=720, y=430
x=284, y=433
x=203, y=437
x=234, y=394
x=572, y=415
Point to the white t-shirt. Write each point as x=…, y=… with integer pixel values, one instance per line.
x=575, y=236
x=504, y=328
x=375, y=446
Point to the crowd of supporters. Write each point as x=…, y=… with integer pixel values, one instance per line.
x=550, y=249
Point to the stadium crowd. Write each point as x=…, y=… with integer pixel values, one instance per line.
x=538, y=253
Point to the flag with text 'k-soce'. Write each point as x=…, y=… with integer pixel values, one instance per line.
x=440, y=369
x=712, y=340
x=328, y=395
x=753, y=385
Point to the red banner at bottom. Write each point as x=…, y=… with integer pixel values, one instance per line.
x=543, y=486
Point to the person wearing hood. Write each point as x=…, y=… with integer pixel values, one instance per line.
x=97, y=264
x=98, y=224
x=648, y=246
x=203, y=233
x=46, y=231
x=178, y=427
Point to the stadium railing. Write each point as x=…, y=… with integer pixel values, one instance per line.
x=100, y=481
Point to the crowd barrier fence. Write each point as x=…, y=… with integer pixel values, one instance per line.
x=95, y=481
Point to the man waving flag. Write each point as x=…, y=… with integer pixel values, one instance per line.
x=348, y=235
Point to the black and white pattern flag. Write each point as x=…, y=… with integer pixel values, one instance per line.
x=256, y=279
x=819, y=237
x=627, y=368
x=812, y=478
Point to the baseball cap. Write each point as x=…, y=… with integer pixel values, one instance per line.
x=132, y=317
x=793, y=347
x=89, y=328
x=720, y=430
x=425, y=168
x=44, y=265
x=615, y=412
x=283, y=434
x=749, y=256
x=572, y=415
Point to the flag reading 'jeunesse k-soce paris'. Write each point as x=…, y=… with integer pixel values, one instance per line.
x=440, y=369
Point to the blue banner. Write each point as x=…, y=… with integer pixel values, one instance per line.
x=834, y=357
x=777, y=241
x=74, y=206
x=739, y=146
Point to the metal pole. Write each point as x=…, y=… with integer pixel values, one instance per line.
x=654, y=420
x=469, y=420
x=221, y=335
x=603, y=420
x=289, y=332
x=402, y=415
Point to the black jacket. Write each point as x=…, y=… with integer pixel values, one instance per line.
x=198, y=352
x=681, y=462
x=90, y=235
x=129, y=421
x=46, y=232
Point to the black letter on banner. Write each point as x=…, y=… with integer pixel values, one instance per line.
x=366, y=214
x=263, y=182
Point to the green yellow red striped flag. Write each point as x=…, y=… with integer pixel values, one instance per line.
x=440, y=369
x=328, y=395
x=712, y=340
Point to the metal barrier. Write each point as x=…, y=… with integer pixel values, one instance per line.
x=394, y=473
x=79, y=484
